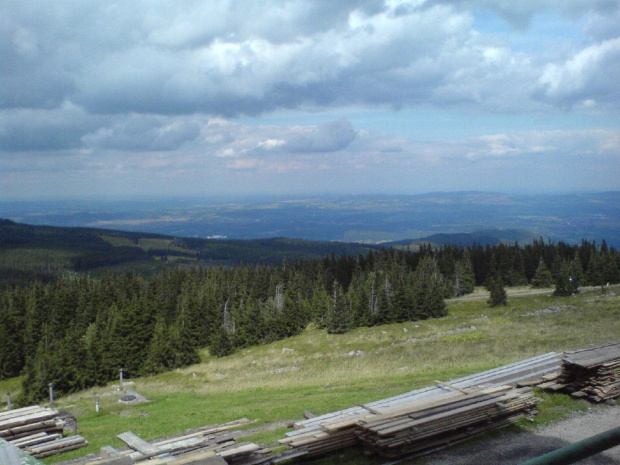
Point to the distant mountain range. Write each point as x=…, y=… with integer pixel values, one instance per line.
x=29, y=252
x=369, y=219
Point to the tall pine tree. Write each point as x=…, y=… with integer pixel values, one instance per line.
x=340, y=318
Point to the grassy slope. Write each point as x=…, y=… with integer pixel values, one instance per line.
x=272, y=384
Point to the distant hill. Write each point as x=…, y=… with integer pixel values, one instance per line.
x=39, y=252
x=485, y=237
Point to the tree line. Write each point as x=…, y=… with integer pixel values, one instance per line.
x=79, y=331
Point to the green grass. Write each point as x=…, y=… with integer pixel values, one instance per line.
x=11, y=386
x=554, y=406
x=271, y=384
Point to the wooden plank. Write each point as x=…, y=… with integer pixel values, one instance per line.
x=109, y=451
x=244, y=449
x=201, y=458
x=455, y=388
x=67, y=448
x=370, y=409
x=20, y=412
x=15, y=442
x=34, y=417
x=120, y=460
x=36, y=439
x=184, y=447
x=137, y=443
x=59, y=444
x=46, y=425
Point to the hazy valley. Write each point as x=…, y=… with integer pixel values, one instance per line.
x=370, y=219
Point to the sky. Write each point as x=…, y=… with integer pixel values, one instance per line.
x=133, y=98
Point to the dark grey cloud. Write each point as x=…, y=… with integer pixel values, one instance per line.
x=45, y=130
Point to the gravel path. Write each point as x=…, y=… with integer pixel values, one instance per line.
x=509, y=448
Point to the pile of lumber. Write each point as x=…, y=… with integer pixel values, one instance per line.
x=425, y=426
x=337, y=430
x=211, y=444
x=38, y=431
x=592, y=373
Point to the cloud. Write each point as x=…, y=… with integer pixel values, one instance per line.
x=187, y=57
x=45, y=130
x=144, y=133
x=602, y=25
x=576, y=144
x=519, y=14
x=229, y=157
x=330, y=137
x=247, y=164
x=107, y=89
x=589, y=76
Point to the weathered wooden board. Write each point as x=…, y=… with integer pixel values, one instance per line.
x=137, y=443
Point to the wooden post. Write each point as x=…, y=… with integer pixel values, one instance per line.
x=51, y=386
x=74, y=426
x=9, y=402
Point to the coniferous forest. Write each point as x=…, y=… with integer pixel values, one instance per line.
x=78, y=331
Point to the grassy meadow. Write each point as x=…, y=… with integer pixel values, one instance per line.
x=322, y=373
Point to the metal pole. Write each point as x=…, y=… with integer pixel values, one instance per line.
x=51, y=386
x=97, y=407
x=579, y=450
x=121, y=373
x=9, y=401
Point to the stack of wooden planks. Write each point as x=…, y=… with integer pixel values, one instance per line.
x=211, y=444
x=425, y=426
x=337, y=430
x=592, y=373
x=38, y=431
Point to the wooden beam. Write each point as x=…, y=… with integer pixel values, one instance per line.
x=455, y=388
x=370, y=409
x=137, y=443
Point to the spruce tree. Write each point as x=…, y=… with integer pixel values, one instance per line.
x=340, y=317
x=222, y=344
x=498, y=293
x=542, y=277
x=11, y=324
x=468, y=275
x=320, y=305
x=464, y=279
x=567, y=279
x=429, y=290
x=181, y=341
